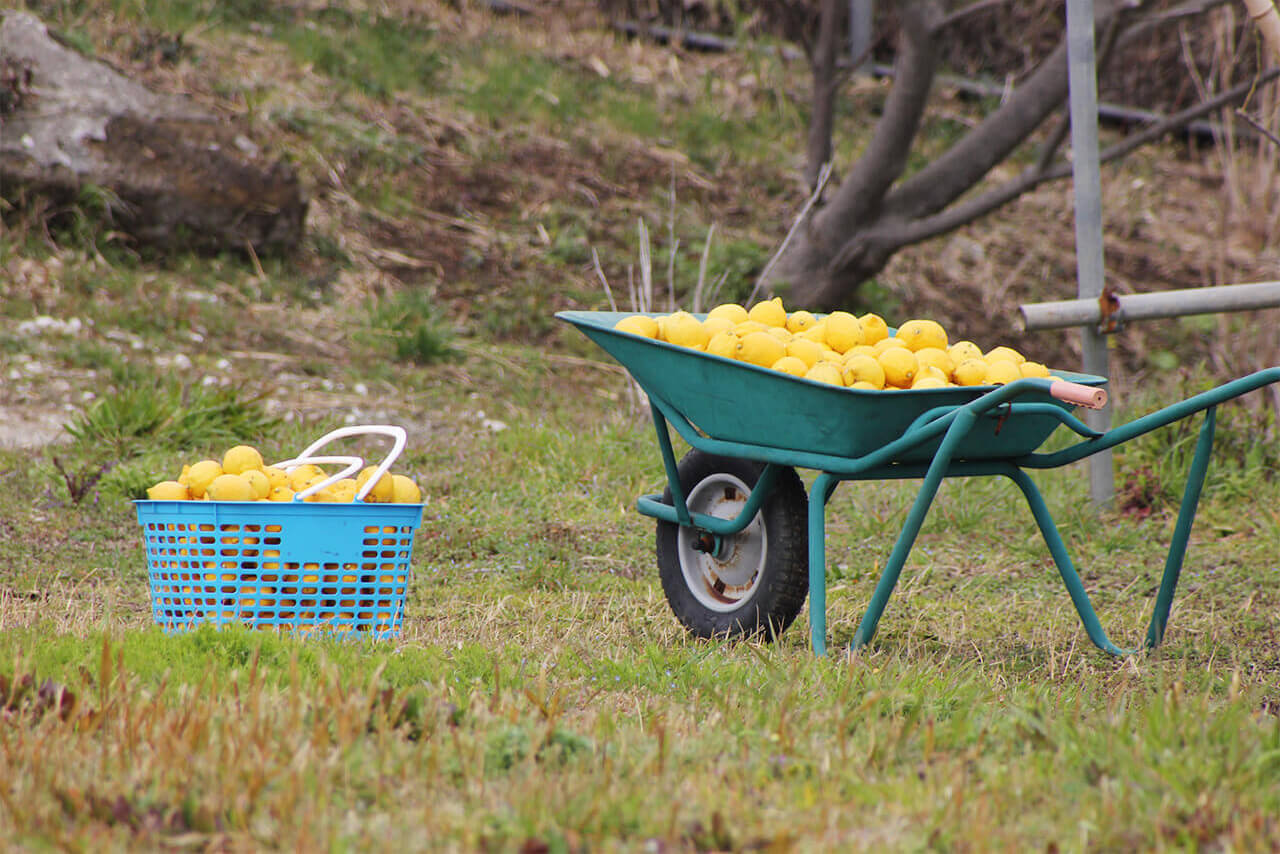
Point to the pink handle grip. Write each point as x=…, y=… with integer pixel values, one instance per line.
x=1081, y=395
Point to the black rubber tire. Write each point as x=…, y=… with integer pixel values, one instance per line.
x=780, y=581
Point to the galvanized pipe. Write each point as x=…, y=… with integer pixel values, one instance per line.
x=1088, y=312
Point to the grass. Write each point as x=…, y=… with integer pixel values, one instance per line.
x=541, y=696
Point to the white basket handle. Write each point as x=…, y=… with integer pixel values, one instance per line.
x=396, y=433
x=353, y=465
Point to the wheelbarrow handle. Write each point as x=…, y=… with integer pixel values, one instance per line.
x=1081, y=395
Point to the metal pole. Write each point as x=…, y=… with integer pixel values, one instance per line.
x=1128, y=307
x=860, y=30
x=1083, y=82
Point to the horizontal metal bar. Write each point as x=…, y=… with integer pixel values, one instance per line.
x=1211, y=300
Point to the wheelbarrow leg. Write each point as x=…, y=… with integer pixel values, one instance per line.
x=819, y=495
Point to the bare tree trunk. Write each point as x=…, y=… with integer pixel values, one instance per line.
x=170, y=173
x=825, y=83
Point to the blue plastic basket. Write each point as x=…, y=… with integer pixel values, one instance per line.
x=290, y=566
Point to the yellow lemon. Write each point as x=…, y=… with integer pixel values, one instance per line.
x=844, y=331
x=760, y=348
x=1034, y=369
x=929, y=382
x=1002, y=371
x=168, y=490
x=201, y=475
x=230, y=487
x=799, y=321
x=930, y=371
x=863, y=385
x=859, y=350
x=685, y=330
x=280, y=493
x=1008, y=353
x=817, y=332
x=964, y=350
x=716, y=325
x=938, y=358
x=347, y=488
x=863, y=368
x=259, y=481
x=825, y=372
x=888, y=344
x=300, y=476
x=900, y=366
x=873, y=328
x=918, y=334
x=769, y=312
x=638, y=324
x=328, y=495
x=806, y=350
x=406, y=491
x=382, y=491
x=781, y=333
x=970, y=372
x=277, y=476
x=791, y=365
x=730, y=311
x=723, y=344
x=182, y=478
x=746, y=327
x=240, y=459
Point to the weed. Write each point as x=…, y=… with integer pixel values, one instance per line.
x=411, y=324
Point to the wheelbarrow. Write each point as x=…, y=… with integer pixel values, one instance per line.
x=738, y=542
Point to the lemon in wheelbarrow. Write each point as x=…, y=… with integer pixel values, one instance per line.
x=638, y=324
x=769, y=312
x=761, y=348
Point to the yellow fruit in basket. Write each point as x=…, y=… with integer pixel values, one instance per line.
x=873, y=328
x=799, y=321
x=746, y=327
x=723, y=344
x=168, y=490
x=769, y=312
x=1005, y=353
x=888, y=344
x=863, y=385
x=930, y=371
x=1034, y=369
x=405, y=490
x=328, y=495
x=716, y=325
x=730, y=311
x=280, y=493
x=793, y=365
x=844, y=331
x=970, y=372
x=962, y=351
x=807, y=351
x=299, y=477
x=781, y=333
x=1002, y=371
x=346, y=488
x=186, y=471
x=201, y=475
x=918, y=334
x=928, y=382
x=638, y=324
x=860, y=350
x=937, y=358
x=825, y=372
x=382, y=491
x=276, y=476
x=259, y=481
x=900, y=366
x=817, y=332
x=761, y=348
x=240, y=459
x=865, y=369
x=685, y=330
x=230, y=487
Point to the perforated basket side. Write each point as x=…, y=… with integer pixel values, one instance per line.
x=297, y=567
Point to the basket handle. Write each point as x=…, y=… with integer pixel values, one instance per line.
x=1079, y=394
x=396, y=433
x=352, y=464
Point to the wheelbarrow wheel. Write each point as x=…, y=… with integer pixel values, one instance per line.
x=749, y=584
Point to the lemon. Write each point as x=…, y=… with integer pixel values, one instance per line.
x=806, y=350
x=1034, y=369
x=230, y=487
x=918, y=334
x=730, y=311
x=761, y=348
x=817, y=332
x=299, y=477
x=201, y=475
x=406, y=491
x=781, y=333
x=873, y=328
x=844, y=331
x=746, y=327
x=328, y=495
x=1002, y=371
x=938, y=358
x=186, y=471
x=863, y=368
x=769, y=312
x=723, y=344
x=970, y=372
x=791, y=365
x=638, y=324
x=348, y=487
x=859, y=350
x=168, y=490
x=964, y=350
x=277, y=476
x=825, y=372
x=685, y=330
x=240, y=459
x=799, y=321
x=716, y=325
x=280, y=493
x=258, y=480
x=930, y=371
x=900, y=366
x=1008, y=353
x=929, y=382
x=888, y=344
x=382, y=491
x=863, y=385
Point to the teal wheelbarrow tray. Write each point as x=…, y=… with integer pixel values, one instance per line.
x=738, y=540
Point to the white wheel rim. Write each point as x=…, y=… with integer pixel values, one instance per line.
x=722, y=582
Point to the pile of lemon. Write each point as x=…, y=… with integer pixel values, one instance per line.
x=242, y=476
x=839, y=348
